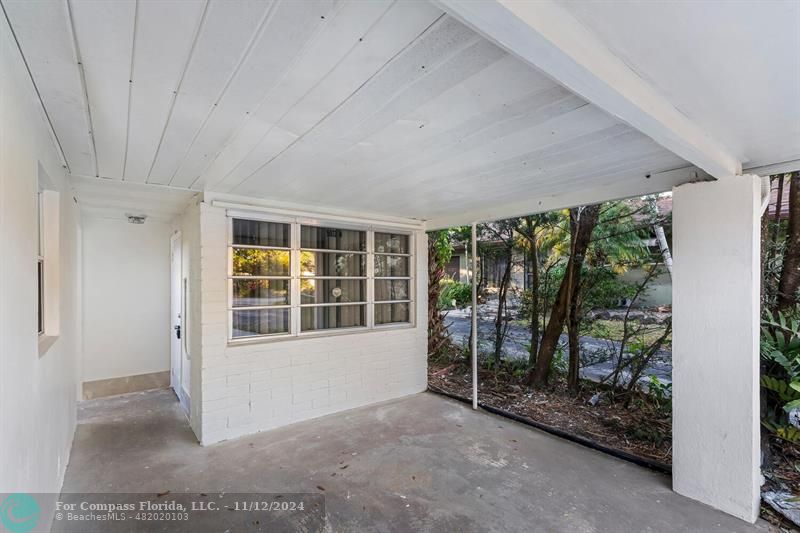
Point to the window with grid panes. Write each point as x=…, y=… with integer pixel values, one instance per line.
x=323, y=277
x=333, y=278
x=392, y=257
x=260, y=281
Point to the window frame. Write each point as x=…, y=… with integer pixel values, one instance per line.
x=49, y=277
x=295, y=297
x=410, y=277
x=231, y=277
x=40, y=278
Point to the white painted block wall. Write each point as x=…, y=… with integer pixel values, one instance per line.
x=37, y=392
x=715, y=374
x=253, y=387
x=126, y=298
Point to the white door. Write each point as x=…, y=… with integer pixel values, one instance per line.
x=177, y=330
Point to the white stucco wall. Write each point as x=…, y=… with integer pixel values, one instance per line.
x=252, y=387
x=126, y=298
x=37, y=391
x=715, y=373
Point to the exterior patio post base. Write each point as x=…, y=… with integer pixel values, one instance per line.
x=716, y=293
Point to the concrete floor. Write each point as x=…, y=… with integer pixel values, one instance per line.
x=420, y=463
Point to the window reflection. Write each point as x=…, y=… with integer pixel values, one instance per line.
x=257, y=262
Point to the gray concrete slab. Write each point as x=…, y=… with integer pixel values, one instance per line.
x=420, y=463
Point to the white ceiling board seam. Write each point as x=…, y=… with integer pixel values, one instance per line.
x=130, y=90
x=138, y=185
x=645, y=154
x=50, y=127
x=288, y=72
x=270, y=12
x=406, y=166
x=200, y=26
x=370, y=97
x=84, y=90
x=343, y=102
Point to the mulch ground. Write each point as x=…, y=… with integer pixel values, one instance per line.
x=784, y=465
x=636, y=429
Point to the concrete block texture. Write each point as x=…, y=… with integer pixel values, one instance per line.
x=257, y=386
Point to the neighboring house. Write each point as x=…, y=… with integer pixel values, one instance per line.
x=659, y=292
x=493, y=265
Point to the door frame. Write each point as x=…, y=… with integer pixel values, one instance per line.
x=177, y=320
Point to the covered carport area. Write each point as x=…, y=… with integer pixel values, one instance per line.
x=419, y=463
x=606, y=54
x=415, y=116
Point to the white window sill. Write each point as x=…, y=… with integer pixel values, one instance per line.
x=245, y=341
x=45, y=342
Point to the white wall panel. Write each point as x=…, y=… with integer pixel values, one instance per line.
x=43, y=31
x=165, y=33
x=311, y=92
x=223, y=40
x=104, y=34
x=126, y=301
x=280, y=43
x=38, y=388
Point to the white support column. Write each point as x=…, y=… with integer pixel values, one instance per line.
x=474, y=316
x=716, y=291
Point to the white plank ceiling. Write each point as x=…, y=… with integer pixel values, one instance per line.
x=731, y=66
x=383, y=107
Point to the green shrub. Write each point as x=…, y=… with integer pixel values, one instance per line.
x=604, y=289
x=780, y=377
x=660, y=393
x=454, y=294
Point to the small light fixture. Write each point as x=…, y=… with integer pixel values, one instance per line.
x=136, y=219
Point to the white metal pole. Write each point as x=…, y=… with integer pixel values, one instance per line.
x=474, y=316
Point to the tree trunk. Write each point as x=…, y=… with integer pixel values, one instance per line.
x=437, y=332
x=764, y=255
x=477, y=274
x=534, y=306
x=582, y=224
x=790, y=272
x=664, y=247
x=778, y=208
x=499, y=320
x=573, y=324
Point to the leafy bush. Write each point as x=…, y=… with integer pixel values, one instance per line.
x=559, y=365
x=454, y=294
x=660, y=393
x=780, y=377
x=603, y=289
